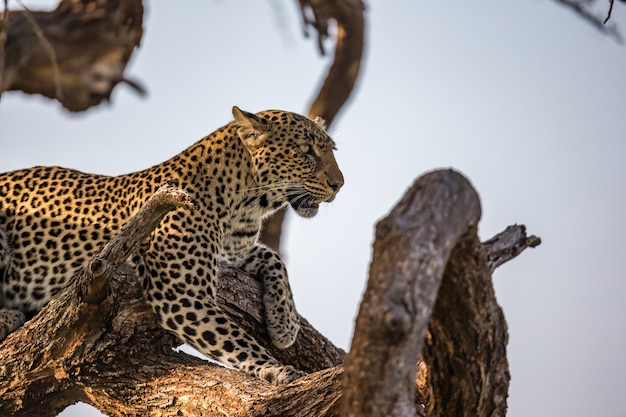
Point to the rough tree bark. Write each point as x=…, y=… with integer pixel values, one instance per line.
x=75, y=54
x=428, y=263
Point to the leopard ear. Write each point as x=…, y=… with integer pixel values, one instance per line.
x=251, y=128
x=321, y=123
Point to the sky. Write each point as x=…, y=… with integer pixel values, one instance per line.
x=522, y=97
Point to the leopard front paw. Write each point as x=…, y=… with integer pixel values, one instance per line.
x=282, y=320
x=282, y=374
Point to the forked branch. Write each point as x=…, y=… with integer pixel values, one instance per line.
x=430, y=293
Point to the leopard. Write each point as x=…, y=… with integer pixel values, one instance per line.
x=53, y=219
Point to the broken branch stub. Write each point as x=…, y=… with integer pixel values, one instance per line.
x=507, y=244
x=101, y=268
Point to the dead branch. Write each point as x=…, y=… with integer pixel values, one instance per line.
x=75, y=54
x=101, y=268
x=350, y=27
x=608, y=15
x=507, y=245
x=114, y=355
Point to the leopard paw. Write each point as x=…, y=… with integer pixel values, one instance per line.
x=282, y=374
x=282, y=320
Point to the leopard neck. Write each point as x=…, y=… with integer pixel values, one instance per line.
x=216, y=168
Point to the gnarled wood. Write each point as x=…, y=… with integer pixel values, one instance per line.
x=411, y=252
x=75, y=54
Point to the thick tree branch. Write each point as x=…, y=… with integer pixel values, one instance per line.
x=75, y=54
x=411, y=251
x=465, y=348
x=115, y=356
x=429, y=270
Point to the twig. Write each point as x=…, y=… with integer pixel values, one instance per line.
x=49, y=49
x=507, y=245
x=136, y=86
x=608, y=16
x=319, y=21
x=595, y=21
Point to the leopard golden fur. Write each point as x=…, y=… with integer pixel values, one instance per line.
x=53, y=219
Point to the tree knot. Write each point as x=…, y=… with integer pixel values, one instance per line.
x=396, y=321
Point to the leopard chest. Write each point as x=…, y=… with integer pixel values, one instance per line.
x=241, y=229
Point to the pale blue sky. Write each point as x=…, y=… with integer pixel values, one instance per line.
x=522, y=96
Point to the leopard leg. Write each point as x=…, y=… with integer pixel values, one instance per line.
x=283, y=322
x=184, y=300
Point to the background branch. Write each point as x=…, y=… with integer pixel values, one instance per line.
x=75, y=54
x=348, y=17
x=581, y=8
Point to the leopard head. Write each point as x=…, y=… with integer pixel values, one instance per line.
x=292, y=158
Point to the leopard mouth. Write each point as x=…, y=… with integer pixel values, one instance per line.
x=305, y=205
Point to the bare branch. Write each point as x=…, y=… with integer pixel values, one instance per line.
x=507, y=245
x=597, y=22
x=608, y=15
x=114, y=354
x=430, y=270
x=343, y=73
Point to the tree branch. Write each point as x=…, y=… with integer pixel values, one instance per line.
x=115, y=356
x=429, y=271
x=411, y=251
x=507, y=245
x=100, y=270
x=581, y=9
x=343, y=73
x=75, y=54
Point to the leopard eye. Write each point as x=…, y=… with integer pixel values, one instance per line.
x=304, y=148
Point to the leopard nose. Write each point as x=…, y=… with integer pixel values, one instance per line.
x=335, y=185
